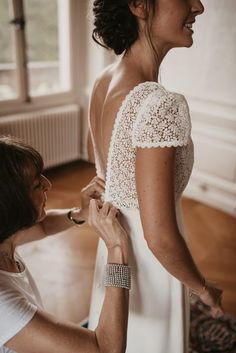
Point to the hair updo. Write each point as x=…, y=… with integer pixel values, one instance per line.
x=115, y=27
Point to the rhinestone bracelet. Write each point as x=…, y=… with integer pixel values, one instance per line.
x=117, y=275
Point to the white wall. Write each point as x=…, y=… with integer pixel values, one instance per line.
x=206, y=75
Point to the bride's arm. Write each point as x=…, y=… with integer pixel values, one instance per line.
x=90, y=150
x=156, y=197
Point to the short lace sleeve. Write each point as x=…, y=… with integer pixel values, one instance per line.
x=163, y=121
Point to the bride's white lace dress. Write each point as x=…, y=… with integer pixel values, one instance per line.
x=150, y=116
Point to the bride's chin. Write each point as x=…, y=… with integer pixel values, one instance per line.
x=187, y=43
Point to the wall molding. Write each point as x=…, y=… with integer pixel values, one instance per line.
x=214, y=112
x=212, y=191
x=213, y=180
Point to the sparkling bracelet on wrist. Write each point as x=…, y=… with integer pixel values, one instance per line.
x=117, y=275
x=70, y=217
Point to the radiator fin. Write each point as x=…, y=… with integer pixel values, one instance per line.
x=55, y=133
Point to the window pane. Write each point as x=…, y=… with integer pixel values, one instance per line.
x=8, y=78
x=47, y=65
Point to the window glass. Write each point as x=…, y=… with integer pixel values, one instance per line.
x=47, y=46
x=8, y=73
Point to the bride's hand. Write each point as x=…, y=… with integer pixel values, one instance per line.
x=212, y=297
x=103, y=218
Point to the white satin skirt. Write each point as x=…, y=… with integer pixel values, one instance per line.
x=159, y=305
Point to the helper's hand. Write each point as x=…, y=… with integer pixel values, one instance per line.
x=212, y=297
x=104, y=219
x=93, y=190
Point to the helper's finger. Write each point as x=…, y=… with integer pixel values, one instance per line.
x=99, y=203
x=93, y=207
x=99, y=181
x=92, y=188
x=95, y=188
x=105, y=209
x=93, y=212
x=113, y=212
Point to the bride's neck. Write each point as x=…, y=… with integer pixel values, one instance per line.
x=143, y=60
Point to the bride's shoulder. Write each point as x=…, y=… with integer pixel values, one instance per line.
x=156, y=94
x=103, y=79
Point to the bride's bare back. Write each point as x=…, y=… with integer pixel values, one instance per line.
x=108, y=94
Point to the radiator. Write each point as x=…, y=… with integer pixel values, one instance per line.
x=55, y=132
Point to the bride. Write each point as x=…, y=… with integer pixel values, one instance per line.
x=141, y=136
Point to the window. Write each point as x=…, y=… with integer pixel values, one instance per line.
x=34, y=49
x=8, y=73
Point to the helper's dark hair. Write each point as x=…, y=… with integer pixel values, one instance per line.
x=17, y=161
x=115, y=27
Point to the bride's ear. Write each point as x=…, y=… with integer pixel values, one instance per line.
x=138, y=9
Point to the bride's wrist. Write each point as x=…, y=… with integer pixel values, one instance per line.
x=201, y=288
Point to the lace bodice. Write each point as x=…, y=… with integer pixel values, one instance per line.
x=150, y=116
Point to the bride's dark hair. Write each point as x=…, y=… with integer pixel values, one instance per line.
x=115, y=26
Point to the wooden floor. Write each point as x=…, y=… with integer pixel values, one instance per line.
x=63, y=265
